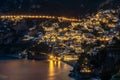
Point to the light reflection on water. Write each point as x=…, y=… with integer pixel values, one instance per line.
x=51, y=68
x=55, y=68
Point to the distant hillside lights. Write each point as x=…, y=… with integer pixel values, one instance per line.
x=75, y=36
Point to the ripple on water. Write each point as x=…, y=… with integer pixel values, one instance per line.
x=3, y=77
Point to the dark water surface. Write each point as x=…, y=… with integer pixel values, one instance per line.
x=34, y=70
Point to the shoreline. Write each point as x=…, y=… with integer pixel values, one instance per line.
x=71, y=63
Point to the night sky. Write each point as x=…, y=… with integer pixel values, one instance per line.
x=55, y=7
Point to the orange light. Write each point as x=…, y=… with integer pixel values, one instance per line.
x=38, y=16
x=51, y=56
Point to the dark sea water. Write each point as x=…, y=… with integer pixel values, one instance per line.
x=34, y=70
